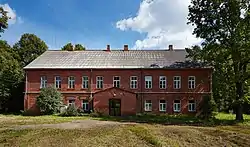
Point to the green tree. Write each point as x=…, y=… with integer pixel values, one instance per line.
x=68, y=47
x=10, y=74
x=49, y=100
x=79, y=47
x=224, y=27
x=3, y=20
x=29, y=47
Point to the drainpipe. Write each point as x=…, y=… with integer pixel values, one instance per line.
x=141, y=95
x=26, y=90
x=91, y=95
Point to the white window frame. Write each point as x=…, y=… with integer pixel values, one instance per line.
x=85, y=104
x=162, y=82
x=133, y=82
x=116, y=82
x=191, y=106
x=177, y=82
x=85, y=82
x=148, y=82
x=191, y=82
x=58, y=82
x=148, y=105
x=177, y=105
x=43, y=81
x=99, y=82
x=73, y=100
x=71, y=82
x=161, y=106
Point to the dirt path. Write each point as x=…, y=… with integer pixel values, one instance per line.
x=77, y=124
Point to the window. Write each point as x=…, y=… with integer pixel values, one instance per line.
x=148, y=105
x=99, y=82
x=162, y=82
x=191, y=82
x=177, y=105
x=116, y=81
x=191, y=106
x=177, y=82
x=71, y=82
x=162, y=105
x=85, y=105
x=148, y=82
x=58, y=82
x=71, y=102
x=43, y=83
x=85, y=82
x=133, y=82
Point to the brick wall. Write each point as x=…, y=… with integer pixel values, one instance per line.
x=203, y=84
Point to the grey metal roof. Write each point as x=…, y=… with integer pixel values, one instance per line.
x=107, y=59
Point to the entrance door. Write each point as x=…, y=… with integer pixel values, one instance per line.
x=114, y=107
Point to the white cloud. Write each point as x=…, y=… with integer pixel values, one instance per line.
x=164, y=22
x=12, y=14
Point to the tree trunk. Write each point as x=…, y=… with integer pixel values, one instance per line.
x=239, y=112
x=239, y=106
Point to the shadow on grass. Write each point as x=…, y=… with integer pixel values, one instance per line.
x=171, y=120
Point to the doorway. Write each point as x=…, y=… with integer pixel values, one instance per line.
x=114, y=107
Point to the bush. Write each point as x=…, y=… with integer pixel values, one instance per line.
x=70, y=111
x=28, y=113
x=207, y=108
x=49, y=101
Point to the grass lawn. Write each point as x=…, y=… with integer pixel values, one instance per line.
x=140, y=134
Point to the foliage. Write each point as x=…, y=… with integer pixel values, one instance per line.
x=28, y=113
x=207, y=108
x=10, y=73
x=68, y=47
x=70, y=111
x=29, y=47
x=3, y=20
x=79, y=47
x=224, y=28
x=49, y=100
x=71, y=47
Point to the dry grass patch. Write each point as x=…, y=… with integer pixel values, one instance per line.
x=101, y=136
x=13, y=120
x=128, y=135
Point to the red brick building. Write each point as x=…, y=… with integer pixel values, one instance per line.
x=121, y=82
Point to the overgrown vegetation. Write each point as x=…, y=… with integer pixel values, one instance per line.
x=49, y=100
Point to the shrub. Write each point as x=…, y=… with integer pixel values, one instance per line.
x=28, y=113
x=70, y=111
x=207, y=107
x=49, y=101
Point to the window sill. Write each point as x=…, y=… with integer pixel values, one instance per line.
x=148, y=110
x=192, y=111
x=162, y=110
x=177, y=111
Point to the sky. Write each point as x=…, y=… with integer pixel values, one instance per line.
x=141, y=24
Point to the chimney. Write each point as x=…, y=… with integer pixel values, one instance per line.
x=108, y=48
x=170, y=47
x=125, y=47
